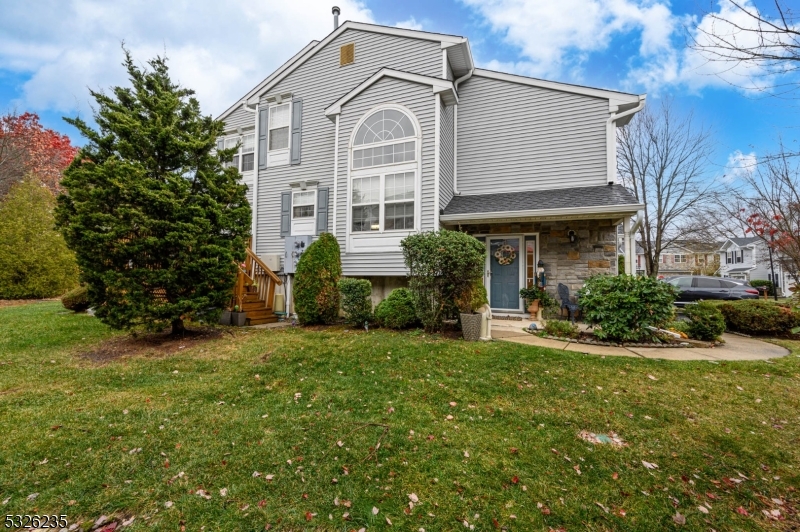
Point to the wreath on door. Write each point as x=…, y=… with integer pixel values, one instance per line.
x=505, y=255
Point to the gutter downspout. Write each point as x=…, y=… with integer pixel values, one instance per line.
x=254, y=223
x=611, y=139
x=456, y=83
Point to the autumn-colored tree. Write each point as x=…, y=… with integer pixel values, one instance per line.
x=26, y=147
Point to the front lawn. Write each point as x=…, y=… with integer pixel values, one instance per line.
x=335, y=430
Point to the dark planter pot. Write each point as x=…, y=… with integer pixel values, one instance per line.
x=225, y=317
x=238, y=319
x=471, y=327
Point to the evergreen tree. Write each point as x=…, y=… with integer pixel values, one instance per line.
x=157, y=223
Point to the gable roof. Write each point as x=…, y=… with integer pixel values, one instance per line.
x=740, y=242
x=439, y=86
x=457, y=49
x=589, y=200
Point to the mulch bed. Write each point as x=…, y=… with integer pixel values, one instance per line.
x=18, y=302
x=589, y=338
x=159, y=344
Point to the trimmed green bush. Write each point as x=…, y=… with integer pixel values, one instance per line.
x=316, y=291
x=561, y=329
x=356, y=301
x=758, y=317
x=397, y=311
x=76, y=300
x=443, y=267
x=769, y=285
x=705, y=321
x=623, y=306
x=678, y=326
x=35, y=262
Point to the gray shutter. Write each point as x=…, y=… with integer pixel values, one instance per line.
x=322, y=210
x=263, y=123
x=286, y=213
x=297, y=129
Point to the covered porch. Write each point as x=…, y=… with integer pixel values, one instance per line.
x=571, y=234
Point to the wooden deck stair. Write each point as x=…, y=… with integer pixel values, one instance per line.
x=255, y=290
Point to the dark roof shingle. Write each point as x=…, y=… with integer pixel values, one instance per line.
x=533, y=200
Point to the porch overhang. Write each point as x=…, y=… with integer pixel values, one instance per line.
x=581, y=203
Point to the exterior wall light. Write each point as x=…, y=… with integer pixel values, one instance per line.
x=540, y=272
x=572, y=236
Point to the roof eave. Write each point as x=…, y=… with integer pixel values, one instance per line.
x=605, y=210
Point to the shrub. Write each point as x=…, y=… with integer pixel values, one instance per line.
x=769, y=285
x=625, y=305
x=356, y=300
x=758, y=317
x=35, y=262
x=705, y=321
x=620, y=264
x=76, y=300
x=443, y=267
x=316, y=292
x=679, y=326
x=561, y=329
x=397, y=311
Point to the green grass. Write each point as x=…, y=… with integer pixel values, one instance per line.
x=222, y=410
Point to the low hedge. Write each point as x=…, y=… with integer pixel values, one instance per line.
x=76, y=300
x=769, y=285
x=561, y=329
x=397, y=311
x=706, y=321
x=758, y=317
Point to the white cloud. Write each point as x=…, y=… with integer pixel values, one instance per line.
x=740, y=165
x=219, y=49
x=410, y=24
x=556, y=36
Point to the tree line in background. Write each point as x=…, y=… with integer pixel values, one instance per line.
x=662, y=156
x=34, y=259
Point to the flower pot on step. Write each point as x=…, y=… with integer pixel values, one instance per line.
x=225, y=317
x=238, y=319
x=533, y=308
x=471, y=327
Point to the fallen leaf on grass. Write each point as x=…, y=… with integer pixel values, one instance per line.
x=309, y=516
x=515, y=479
x=703, y=509
x=413, y=498
x=388, y=522
x=741, y=511
x=649, y=465
x=466, y=454
x=679, y=518
x=652, y=378
x=604, y=508
x=204, y=494
x=168, y=504
x=32, y=496
x=223, y=492
x=262, y=503
x=375, y=511
x=615, y=476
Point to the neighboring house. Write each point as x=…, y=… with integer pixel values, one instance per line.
x=682, y=257
x=376, y=133
x=748, y=259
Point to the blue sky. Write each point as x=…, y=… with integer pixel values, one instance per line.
x=52, y=50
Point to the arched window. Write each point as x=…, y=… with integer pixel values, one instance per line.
x=384, y=173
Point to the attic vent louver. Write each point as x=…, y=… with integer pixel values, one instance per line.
x=347, y=54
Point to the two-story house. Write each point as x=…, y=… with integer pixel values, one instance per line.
x=682, y=257
x=748, y=259
x=375, y=133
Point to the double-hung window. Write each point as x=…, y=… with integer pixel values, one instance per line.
x=304, y=208
x=680, y=258
x=384, y=175
x=279, y=120
x=244, y=158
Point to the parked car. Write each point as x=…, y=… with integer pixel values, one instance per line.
x=697, y=287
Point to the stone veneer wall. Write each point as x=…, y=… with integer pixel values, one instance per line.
x=594, y=252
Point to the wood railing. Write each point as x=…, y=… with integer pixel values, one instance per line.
x=254, y=277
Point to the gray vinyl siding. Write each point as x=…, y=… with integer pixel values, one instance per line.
x=320, y=81
x=514, y=137
x=240, y=118
x=421, y=101
x=446, y=157
x=449, y=71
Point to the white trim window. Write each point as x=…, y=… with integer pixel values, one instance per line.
x=384, y=174
x=244, y=159
x=280, y=121
x=304, y=210
x=680, y=258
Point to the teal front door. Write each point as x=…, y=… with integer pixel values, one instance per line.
x=505, y=259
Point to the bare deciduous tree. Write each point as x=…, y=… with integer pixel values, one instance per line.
x=767, y=48
x=662, y=157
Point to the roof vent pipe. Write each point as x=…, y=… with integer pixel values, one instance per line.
x=335, y=12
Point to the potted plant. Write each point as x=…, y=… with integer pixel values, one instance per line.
x=225, y=317
x=536, y=298
x=238, y=318
x=469, y=304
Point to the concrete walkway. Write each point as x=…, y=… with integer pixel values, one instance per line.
x=735, y=347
